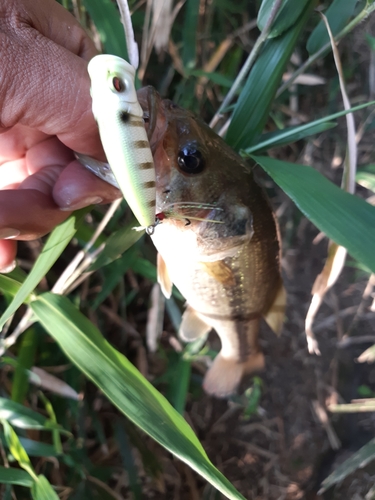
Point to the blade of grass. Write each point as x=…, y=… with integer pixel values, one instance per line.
x=336, y=254
x=272, y=140
x=128, y=461
x=24, y=418
x=288, y=14
x=366, y=177
x=11, y=282
x=121, y=382
x=26, y=356
x=107, y=21
x=287, y=136
x=42, y=490
x=189, y=33
x=367, y=10
x=10, y=475
x=357, y=461
x=343, y=217
x=337, y=14
x=259, y=90
x=248, y=64
x=55, y=245
x=117, y=244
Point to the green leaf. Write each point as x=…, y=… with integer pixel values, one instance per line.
x=42, y=490
x=107, y=21
x=252, y=108
x=10, y=475
x=213, y=76
x=26, y=356
x=128, y=461
x=16, y=448
x=292, y=134
x=145, y=268
x=189, y=33
x=36, y=448
x=22, y=417
x=338, y=14
x=117, y=244
x=287, y=136
x=122, y=383
x=55, y=245
x=348, y=220
x=10, y=283
x=113, y=273
x=357, y=461
x=287, y=15
x=366, y=177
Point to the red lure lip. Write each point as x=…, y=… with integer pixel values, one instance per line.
x=160, y=216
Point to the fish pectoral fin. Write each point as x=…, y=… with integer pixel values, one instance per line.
x=276, y=313
x=192, y=326
x=220, y=271
x=164, y=280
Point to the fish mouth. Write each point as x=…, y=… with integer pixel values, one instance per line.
x=156, y=123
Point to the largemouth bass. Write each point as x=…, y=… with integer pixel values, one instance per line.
x=217, y=240
x=227, y=265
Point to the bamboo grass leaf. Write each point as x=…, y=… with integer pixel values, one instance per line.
x=117, y=244
x=347, y=219
x=10, y=475
x=9, y=285
x=24, y=418
x=291, y=134
x=189, y=33
x=26, y=356
x=16, y=448
x=42, y=490
x=338, y=14
x=121, y=382
x=35, y=448
x=288, y=14
x=287, y=136
x=252, y=108
x=366, y=177
x=55, y=245
x=106, y=17
x=358, y=460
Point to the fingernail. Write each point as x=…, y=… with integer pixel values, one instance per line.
x=94, y=200
x=8, y=232
x=9, y=268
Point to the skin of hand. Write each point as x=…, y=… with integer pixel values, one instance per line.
x=45, y=113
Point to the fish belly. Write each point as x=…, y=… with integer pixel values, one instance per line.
x=229, y=295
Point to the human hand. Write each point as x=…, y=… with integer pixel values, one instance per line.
x=45, y=114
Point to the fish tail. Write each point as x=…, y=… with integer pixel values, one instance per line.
x=225, y=374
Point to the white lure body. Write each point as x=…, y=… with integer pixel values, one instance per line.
x=120, y=120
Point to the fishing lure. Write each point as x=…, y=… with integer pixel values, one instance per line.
x=121, y=126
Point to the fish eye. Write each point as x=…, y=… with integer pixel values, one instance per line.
x=190, y=160
x=118, y=84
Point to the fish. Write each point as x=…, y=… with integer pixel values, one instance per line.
x=226, y=261
x=217, y=240
x=120, y=120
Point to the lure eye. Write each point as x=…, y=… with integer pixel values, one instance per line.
x=190, y=160
x=118, y=84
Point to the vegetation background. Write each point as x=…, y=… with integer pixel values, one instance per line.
x=73, y=409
